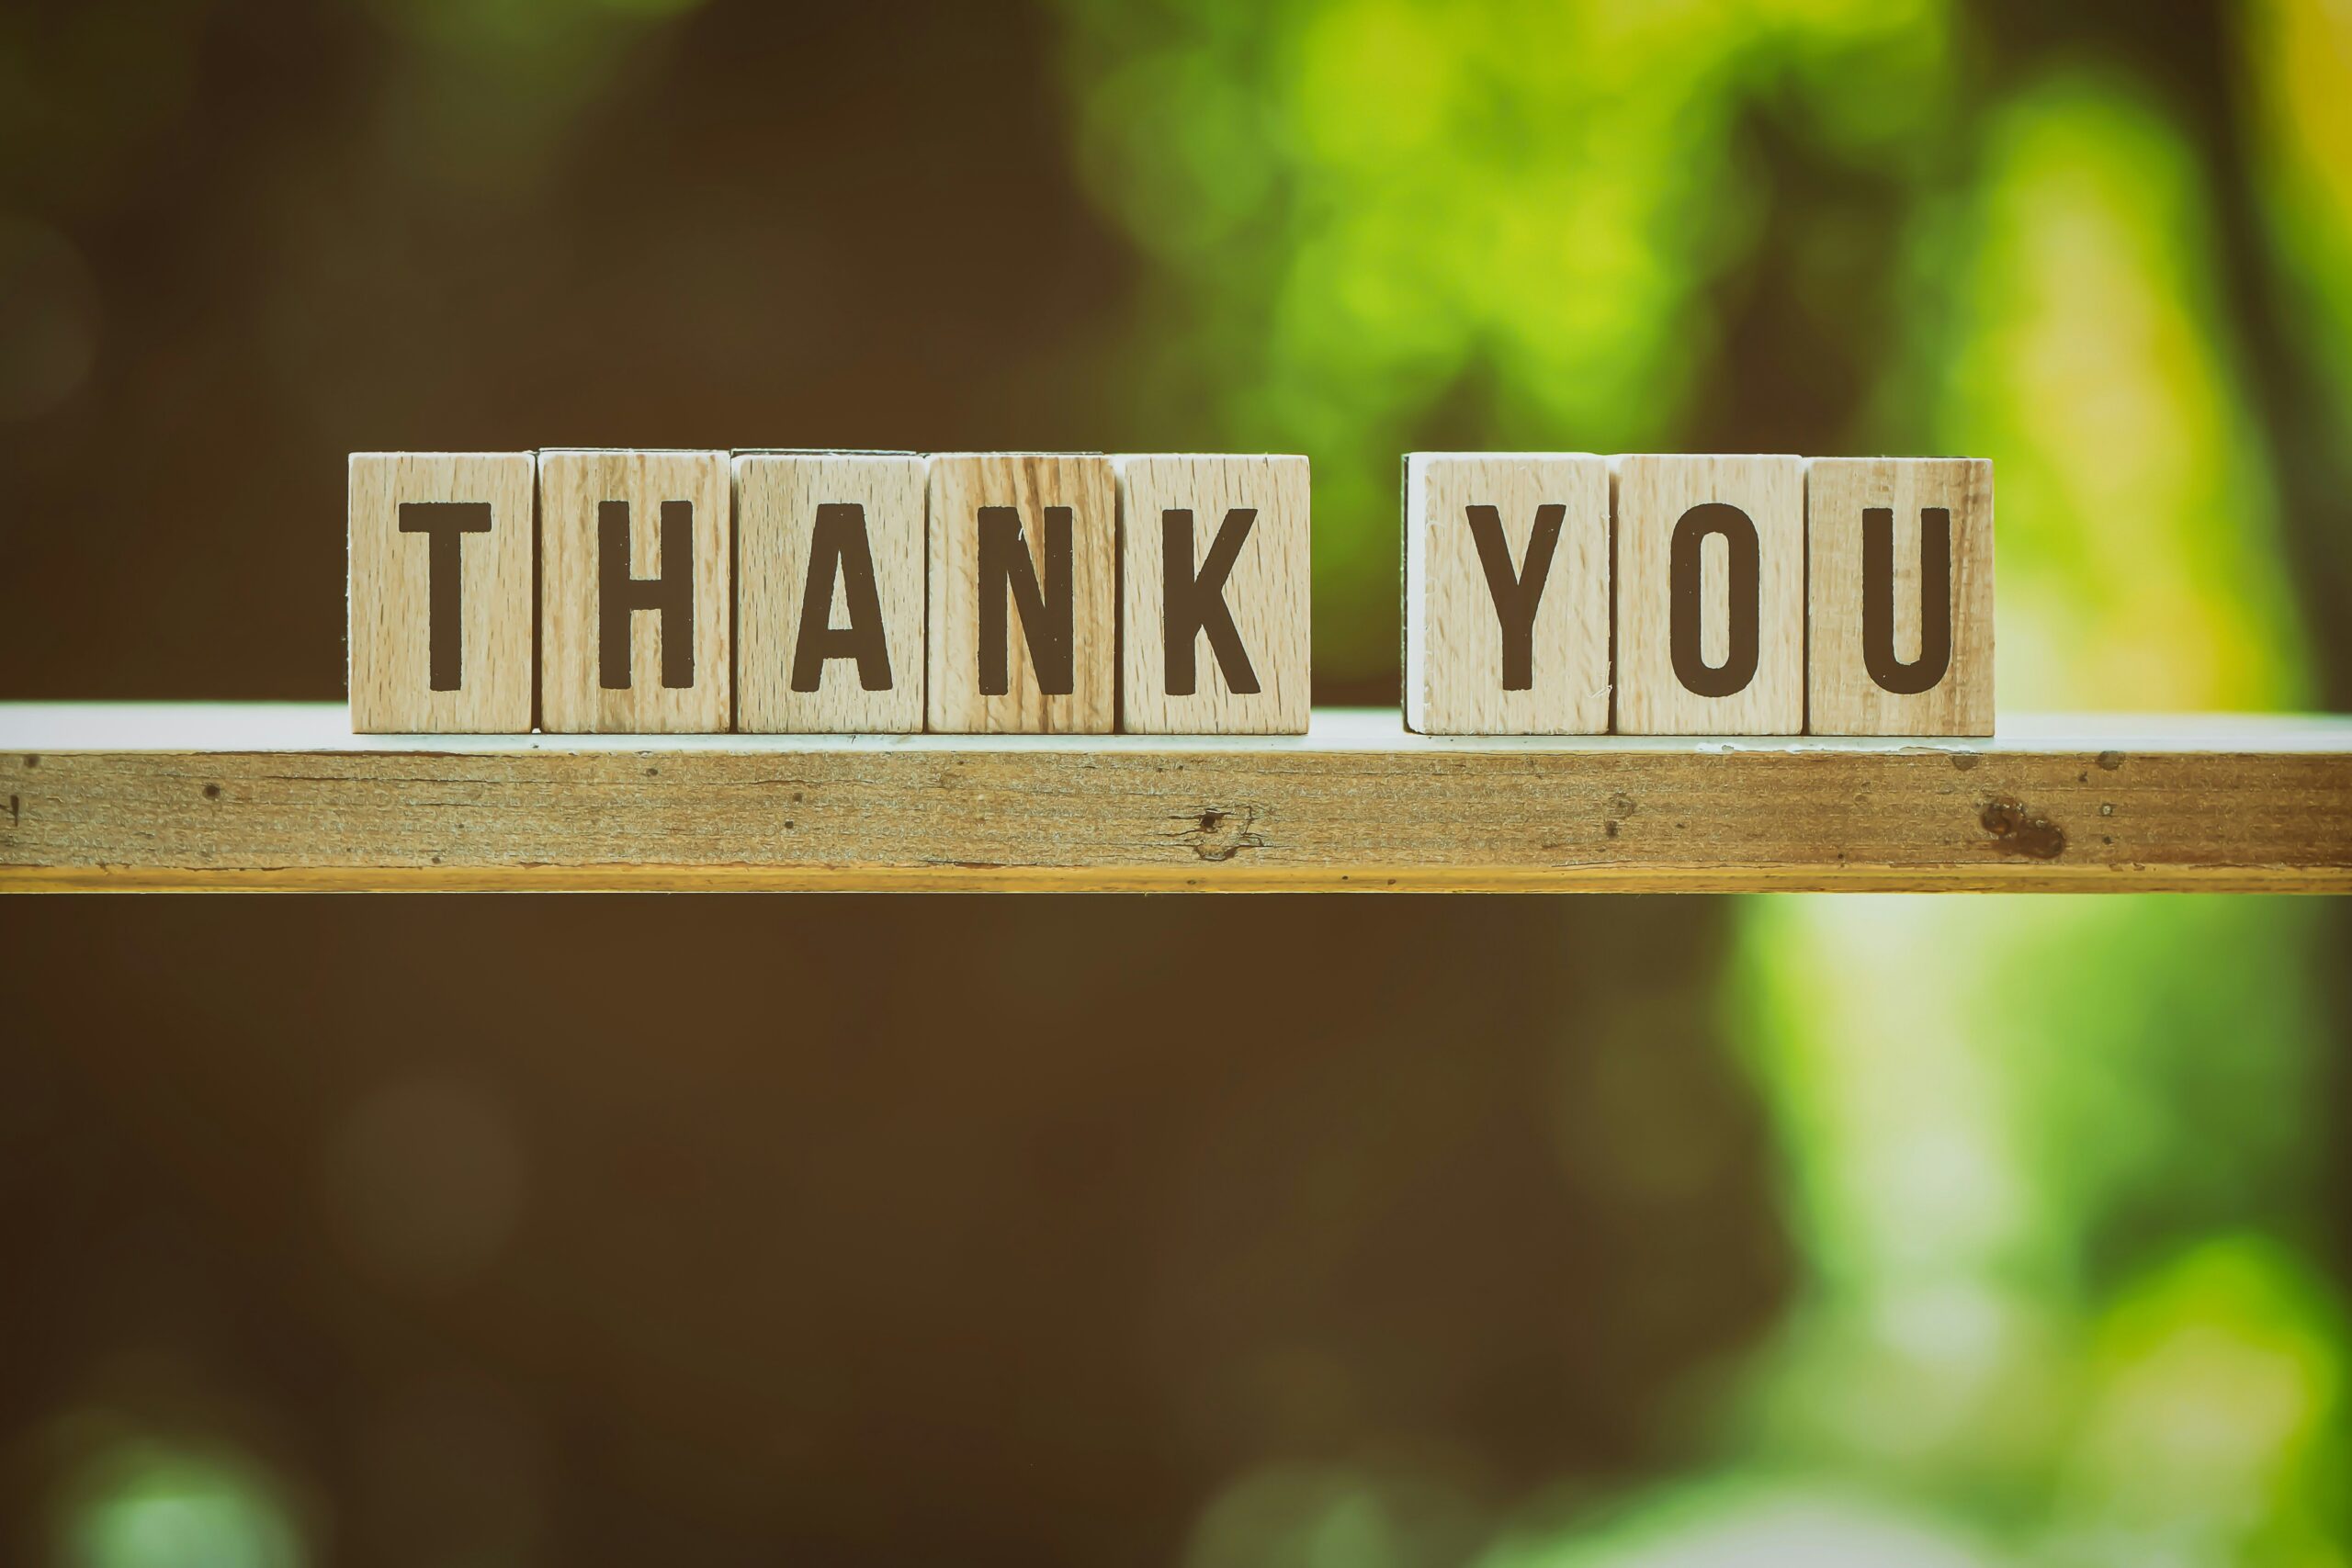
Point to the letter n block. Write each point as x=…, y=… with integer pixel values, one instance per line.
x=1023, y=625
x=1710, y=595
x=440, y=592
x=829, y=592
x=1214, y=582
x=635, y=591
x=1506, y=593
x=1901, y=630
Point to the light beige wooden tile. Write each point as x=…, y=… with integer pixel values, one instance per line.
x=1900, y=639
x=440, y=592
x=673, y=670
x=1237, y=661
x=1724, y=610
x=1506, y=594
x=829, y=598
x=994, y=669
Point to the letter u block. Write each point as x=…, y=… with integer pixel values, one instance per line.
x=829, y=592
x=1506, y=593
x=1024, y=621
x=440, y=592
x=1710, y=595
x=1901, y=628
x=1214, y=566
x=635, y=591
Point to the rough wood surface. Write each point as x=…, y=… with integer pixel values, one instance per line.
x=1265, y=591
x=1842, y=697
x=1653, y=495
x=194, y=797
x=778, y=497
x=391, y=669
x=1454, y=678
x=1030, y=484
x=574, y=485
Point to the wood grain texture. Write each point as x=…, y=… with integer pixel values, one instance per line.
x=165, y=797
x=1030, y=484
x=1266, y=593
x=1455, y=680
x=777, y=499
x=1653, y=495
x=390, y=674
x=1842, y=697
x=574, y=484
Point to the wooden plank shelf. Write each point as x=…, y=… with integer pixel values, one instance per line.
x=264, y=796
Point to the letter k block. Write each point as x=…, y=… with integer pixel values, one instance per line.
x=1507, y=585
x=1213, y=584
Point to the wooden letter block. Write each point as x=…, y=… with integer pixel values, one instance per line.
x=829, y=600
x=1024, y=634
x=1506, y=593
x=1901, y=630
x=635, y=591
x=1214, y=567
x=1710, y=595
x=440, y=592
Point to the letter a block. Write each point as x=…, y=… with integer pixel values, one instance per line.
x=1024, y=624
x=829, y=592
x=635, y=591
x=1901, y=630
x=440, y=592
x=1710, y=595
x=1214, y=567
x=1506, y=593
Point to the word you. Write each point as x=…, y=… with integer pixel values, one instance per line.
x=1748, y=595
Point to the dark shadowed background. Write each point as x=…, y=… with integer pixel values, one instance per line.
x=1304, y=1233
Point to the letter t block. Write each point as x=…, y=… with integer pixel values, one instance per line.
x=1506, y=593
x=440, y=592
x=1214, y=584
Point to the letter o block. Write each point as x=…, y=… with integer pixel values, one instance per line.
x=1710, y=595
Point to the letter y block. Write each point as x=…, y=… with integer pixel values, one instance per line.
x=1506, y=594
x=1214, y=584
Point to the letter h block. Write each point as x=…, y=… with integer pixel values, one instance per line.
x=635, y=591
x=440, y=592
x=829, y=592
x=1710, y=595
x=1506, y=593
x=1901, y=630
x=1023, y=594
x=1213, y=592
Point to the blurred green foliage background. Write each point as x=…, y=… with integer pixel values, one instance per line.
x=2060, y=1277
